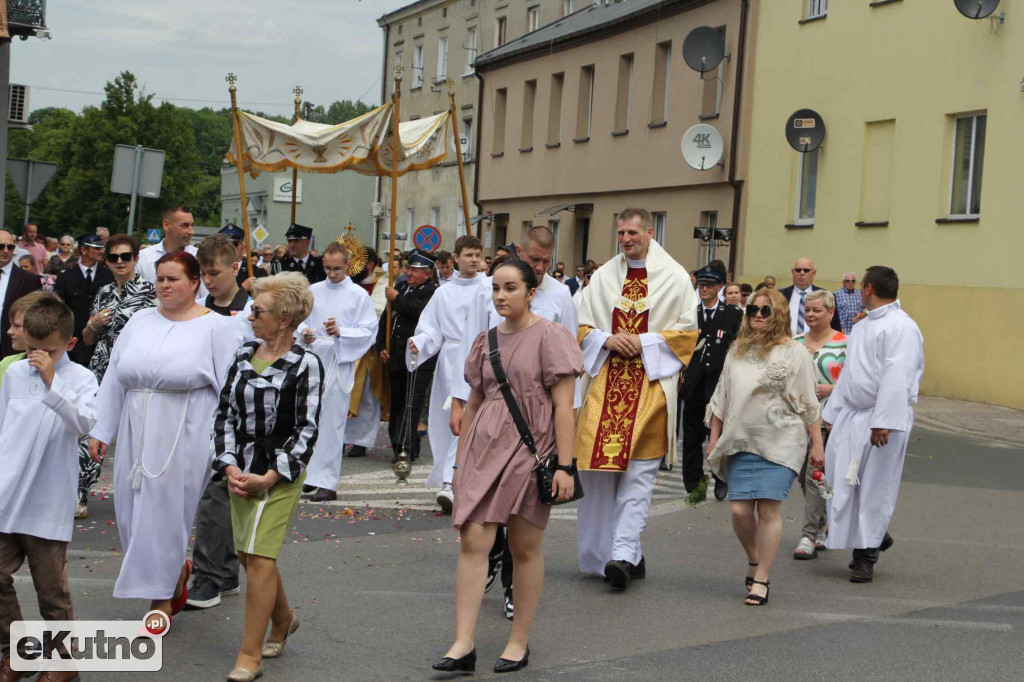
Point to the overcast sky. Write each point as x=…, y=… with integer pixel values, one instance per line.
x=182, y=51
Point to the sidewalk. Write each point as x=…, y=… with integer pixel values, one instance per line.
x=998, y=425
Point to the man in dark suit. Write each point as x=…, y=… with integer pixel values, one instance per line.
x=803, y=283
x=408, y=299
x=719, y=324
x=576, y=282
x=77, y=286
x=14, y=283
x=299, y=258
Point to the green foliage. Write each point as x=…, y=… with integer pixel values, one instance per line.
x=78, y=199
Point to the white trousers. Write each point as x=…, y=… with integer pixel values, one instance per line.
x=363, y=428
x=324, y=468
x=613, y=513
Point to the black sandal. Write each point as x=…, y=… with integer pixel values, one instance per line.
x=756, y=599
x=749, y=582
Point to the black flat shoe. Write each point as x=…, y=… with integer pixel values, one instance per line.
x=307, y=489
x=619, y=573
x=466, y=664
x=356, y=451
x=503, y=665
x=640, y=570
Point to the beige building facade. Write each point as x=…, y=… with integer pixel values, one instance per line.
x=434, y=41
x=587, y=117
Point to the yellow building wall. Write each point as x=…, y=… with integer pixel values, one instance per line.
x=888, y=82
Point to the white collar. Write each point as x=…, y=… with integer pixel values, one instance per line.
x=343, y=284
x=86, y=268
x=465, y=281
x=711, y=309
x=798, y=290
x=7, y=268
x=642, y=263
x=882, y=310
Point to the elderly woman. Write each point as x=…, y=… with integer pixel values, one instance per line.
x=157, y=401
x=264, y=434
x=827, y=349
x=762, y=415
x=113, y=305
x=64, y=258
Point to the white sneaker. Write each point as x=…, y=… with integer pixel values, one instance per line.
x=446, y=499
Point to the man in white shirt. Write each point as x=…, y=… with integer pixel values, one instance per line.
x=178, y=226
x=445, y=268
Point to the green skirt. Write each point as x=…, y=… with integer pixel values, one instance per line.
x=261, y=522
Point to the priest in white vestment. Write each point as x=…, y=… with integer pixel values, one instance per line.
x=340, y=329
x=871, y=411
x=638, y=327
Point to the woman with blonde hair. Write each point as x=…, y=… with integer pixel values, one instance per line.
x=762, y=415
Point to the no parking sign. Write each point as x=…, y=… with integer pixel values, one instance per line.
x=427, y=238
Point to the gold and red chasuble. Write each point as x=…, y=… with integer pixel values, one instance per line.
x=632, y=421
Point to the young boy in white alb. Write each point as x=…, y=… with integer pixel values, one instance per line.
x=47, y=403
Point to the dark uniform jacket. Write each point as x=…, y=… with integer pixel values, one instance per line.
x=405, y=314
x=16, y=286
x=79, y=295
x=314, y=270
x=716, y=335
x=243, y=272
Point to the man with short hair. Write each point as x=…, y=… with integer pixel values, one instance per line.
x=104, y=234
x=36, y=248
x=870, y=414
x=77, y=287
x=769, y=282
x=14, y=283
x=576, y=282
x=638, y=329
x=178, y=226
x=237, y=237
x=848, y=301
x=445, y=266
x=299, y=258
x=266, y=256
x=803, y=283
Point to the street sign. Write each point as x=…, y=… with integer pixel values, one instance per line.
x=427, y=238
x=30, y=179
x=154, y=235
x=260, y=234
x=136, y=171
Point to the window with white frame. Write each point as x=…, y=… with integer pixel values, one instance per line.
x=568, y=7
x=817, y=8
x=807, y=187
x=410, y=221
x=471, y=37
x=968, y=159
x=532, y=18
x=417, y=66
x=467, y=135
x=660, y=220
x=499, y=31
x=442, y=58
x=435, y=216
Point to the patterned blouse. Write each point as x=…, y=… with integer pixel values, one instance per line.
x=828, y=360
x=138, y=294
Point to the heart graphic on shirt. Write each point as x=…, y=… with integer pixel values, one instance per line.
x=830, y=365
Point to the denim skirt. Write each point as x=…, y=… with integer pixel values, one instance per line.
x=752, y=477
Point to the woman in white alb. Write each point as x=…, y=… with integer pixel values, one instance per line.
x=157, y=402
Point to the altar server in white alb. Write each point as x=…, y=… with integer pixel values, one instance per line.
x=341, y=328
x=439, y=332
x=871, y=412
x=157, y=402
x=369, y=389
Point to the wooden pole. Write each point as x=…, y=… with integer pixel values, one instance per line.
x=295, y=171
x=239, y=162
x=458, y=155
x=395, y=116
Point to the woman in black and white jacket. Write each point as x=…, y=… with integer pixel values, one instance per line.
x=264, y=433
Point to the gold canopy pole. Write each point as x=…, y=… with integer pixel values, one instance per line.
x=239, y=156
x=458, y=155
x=295, y=170
x=395, y=113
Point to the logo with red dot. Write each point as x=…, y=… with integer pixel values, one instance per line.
x=157, y=623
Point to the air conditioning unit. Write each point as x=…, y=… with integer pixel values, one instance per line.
x=18, y=111
x=376, y=210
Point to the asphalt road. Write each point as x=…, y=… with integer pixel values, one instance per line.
x=373, y=585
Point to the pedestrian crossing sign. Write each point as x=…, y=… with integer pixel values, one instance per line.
x=154, y=235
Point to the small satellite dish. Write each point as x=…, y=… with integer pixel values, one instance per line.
x=703, y=49
x=702, y=147
x=976, y=9
x=805, y=130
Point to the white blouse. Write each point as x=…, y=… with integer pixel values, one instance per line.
x=765, y=406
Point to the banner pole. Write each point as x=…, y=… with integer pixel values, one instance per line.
x=395, y=115
x=295, y=171
x=458, y=155
x=239, y=156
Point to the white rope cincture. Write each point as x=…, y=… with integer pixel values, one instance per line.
x=139, y=468
x=851, y=471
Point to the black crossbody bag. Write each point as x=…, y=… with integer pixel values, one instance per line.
x=545, y=468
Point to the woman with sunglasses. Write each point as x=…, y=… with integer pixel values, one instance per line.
x=762, y=415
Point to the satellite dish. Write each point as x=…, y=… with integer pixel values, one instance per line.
x=703, y=49
x=805, y=130
x=976, y=9
x=702, y=147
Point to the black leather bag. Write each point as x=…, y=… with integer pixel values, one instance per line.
x=545, y=468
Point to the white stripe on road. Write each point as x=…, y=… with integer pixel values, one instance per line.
x=27, y=578
x=896, y=620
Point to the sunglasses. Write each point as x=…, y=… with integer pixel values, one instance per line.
x=765, y=310
x=9, y=247
x=125, y=257
x=849, y=281
x=802, y=270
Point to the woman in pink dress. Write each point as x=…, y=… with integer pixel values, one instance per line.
x=494, y=478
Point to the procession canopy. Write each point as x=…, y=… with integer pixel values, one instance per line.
x=363, y=144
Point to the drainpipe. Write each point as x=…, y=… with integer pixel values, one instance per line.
x=383, y=97
x=479, y=137
x=737, y=185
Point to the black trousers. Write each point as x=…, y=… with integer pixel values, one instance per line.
x=694, y=433
x=398, y=429
x=501, y=550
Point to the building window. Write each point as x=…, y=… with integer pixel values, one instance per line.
x=662, y=75
x=442, y=58
x=555, y=108
x=568, y=7
x=500, y=101
x=807, y=187
x=435, y=216
x=585, y=103
x=470, y=48
x=711, y=102
x=532, y=18
x=553, y=226
x=410, y=220
x=499, y=31
x=444, y=12
x=417, y=66
x=529, y=100
x=817, y=8
x=624, y=94
x=419, y=22
x=467, y=136
x=968, y=159
x=660, y=220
